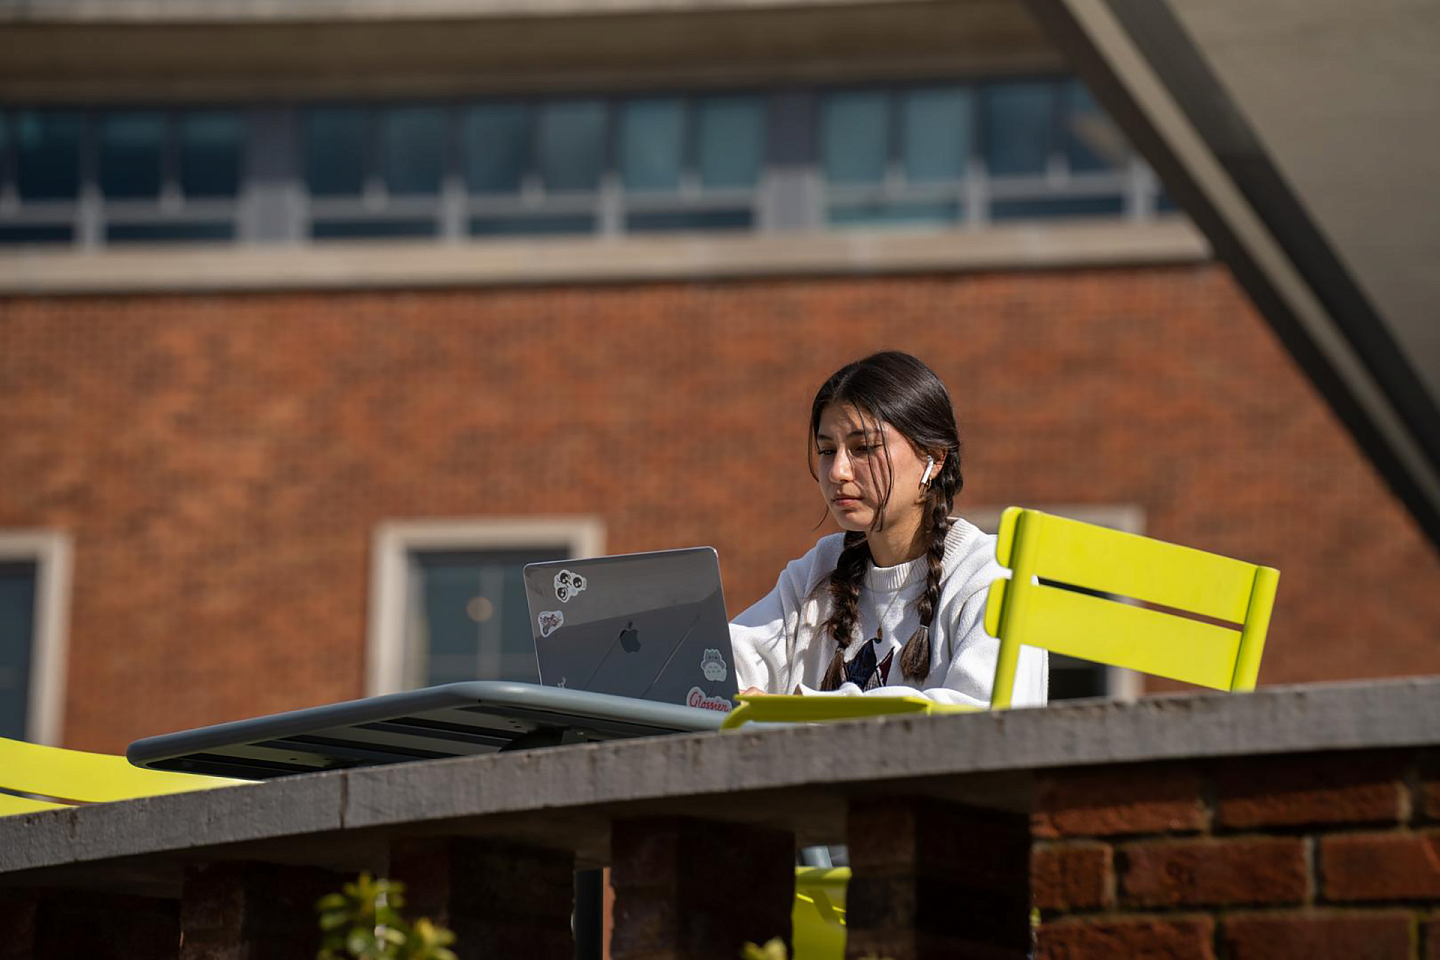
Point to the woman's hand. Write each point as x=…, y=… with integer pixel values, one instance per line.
x=752, y=692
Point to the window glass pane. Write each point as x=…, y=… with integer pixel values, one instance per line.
x=495, y=144
x=160, y=232
x=532, y=226
x=1092, y=141
x=855, y=136
x=1017, y=120
x=17, y=638
x=412, y=149
x=652, y=140
x=131, y=149
x=908, y=213
x=1058, y=207
x=211, y=146
x=473, y=622
x=47, y=233
x=936, y=139
x=370, y=229
x=689, y=220
x=572, y=144
x=335, y=151
x=730, y=140
x=48, y=153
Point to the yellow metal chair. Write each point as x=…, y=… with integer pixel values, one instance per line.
x=1097, y=624
x=1049, y=554
x=74, y=776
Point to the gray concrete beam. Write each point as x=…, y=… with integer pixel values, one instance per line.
x=679, y=258
x=790, y=778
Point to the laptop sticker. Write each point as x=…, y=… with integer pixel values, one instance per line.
x=567, y=585
x=713, y=665
x=550, y=621
x=697, y=698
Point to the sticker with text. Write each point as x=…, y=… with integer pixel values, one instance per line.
x=697, y=698
x=713, y=665
x=568, y=584
x=550, y=621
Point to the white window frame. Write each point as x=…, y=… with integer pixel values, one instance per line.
x=51, y=552
x=1120, y=683
x=395, y=540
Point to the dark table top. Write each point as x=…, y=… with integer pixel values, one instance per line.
x=452, y=720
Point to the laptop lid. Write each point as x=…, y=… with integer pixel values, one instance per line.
x=646, y=625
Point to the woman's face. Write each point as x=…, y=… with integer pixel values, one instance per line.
x=854, y=473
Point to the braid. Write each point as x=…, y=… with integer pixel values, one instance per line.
x=844, y=603
x=915, y=657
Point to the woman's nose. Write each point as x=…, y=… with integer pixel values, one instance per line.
x=840, y=467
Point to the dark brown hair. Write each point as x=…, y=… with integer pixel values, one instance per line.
x=897, y=389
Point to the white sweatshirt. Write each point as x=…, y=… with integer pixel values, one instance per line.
x=779, y=642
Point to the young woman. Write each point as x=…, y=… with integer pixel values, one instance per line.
x=896, y=604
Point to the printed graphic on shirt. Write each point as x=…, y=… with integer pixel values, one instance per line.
x=713, y=665
x=697, y=698
x=550, y=621
x=567, y=585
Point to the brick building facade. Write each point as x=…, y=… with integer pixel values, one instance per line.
x=221, y=461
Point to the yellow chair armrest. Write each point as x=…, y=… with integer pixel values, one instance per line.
x=800, y=709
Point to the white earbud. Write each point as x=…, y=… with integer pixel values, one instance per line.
x=929, y=467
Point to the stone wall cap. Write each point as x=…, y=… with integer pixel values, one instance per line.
x=797, y=776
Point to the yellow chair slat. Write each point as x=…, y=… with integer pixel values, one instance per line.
x=1123, y=635
x=89, y=777
x=793, y=709
x=10, y=804
x=1133, y=566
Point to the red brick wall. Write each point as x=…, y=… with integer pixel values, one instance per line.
x=1313, y=857
x=223, y=460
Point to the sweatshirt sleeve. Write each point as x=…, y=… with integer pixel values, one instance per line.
x=763, y=638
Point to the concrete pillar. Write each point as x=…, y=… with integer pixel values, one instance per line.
x=691, y=889
x=932, y=879
x=253, y=911
x=63, y=924
x=500, y=899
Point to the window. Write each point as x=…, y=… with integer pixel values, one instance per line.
x=448, y=603
x=114, y=176
x=17, y=640
x=1072, y=678
x=944, y=154
x=932, y=155
x=34, y=594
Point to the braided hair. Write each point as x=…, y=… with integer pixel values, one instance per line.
x=900, y=390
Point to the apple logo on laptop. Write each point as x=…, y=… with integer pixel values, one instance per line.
x=630, y=638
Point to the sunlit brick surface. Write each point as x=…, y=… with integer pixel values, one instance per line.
x=222, y=461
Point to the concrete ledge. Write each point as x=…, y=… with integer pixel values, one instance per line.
x=551, y=262
x=265, y=11
x=792, y=778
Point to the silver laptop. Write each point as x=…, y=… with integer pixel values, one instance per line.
x=645, y=625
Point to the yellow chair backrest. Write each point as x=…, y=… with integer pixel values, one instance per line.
x=79, y=777
x=1106, y=629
